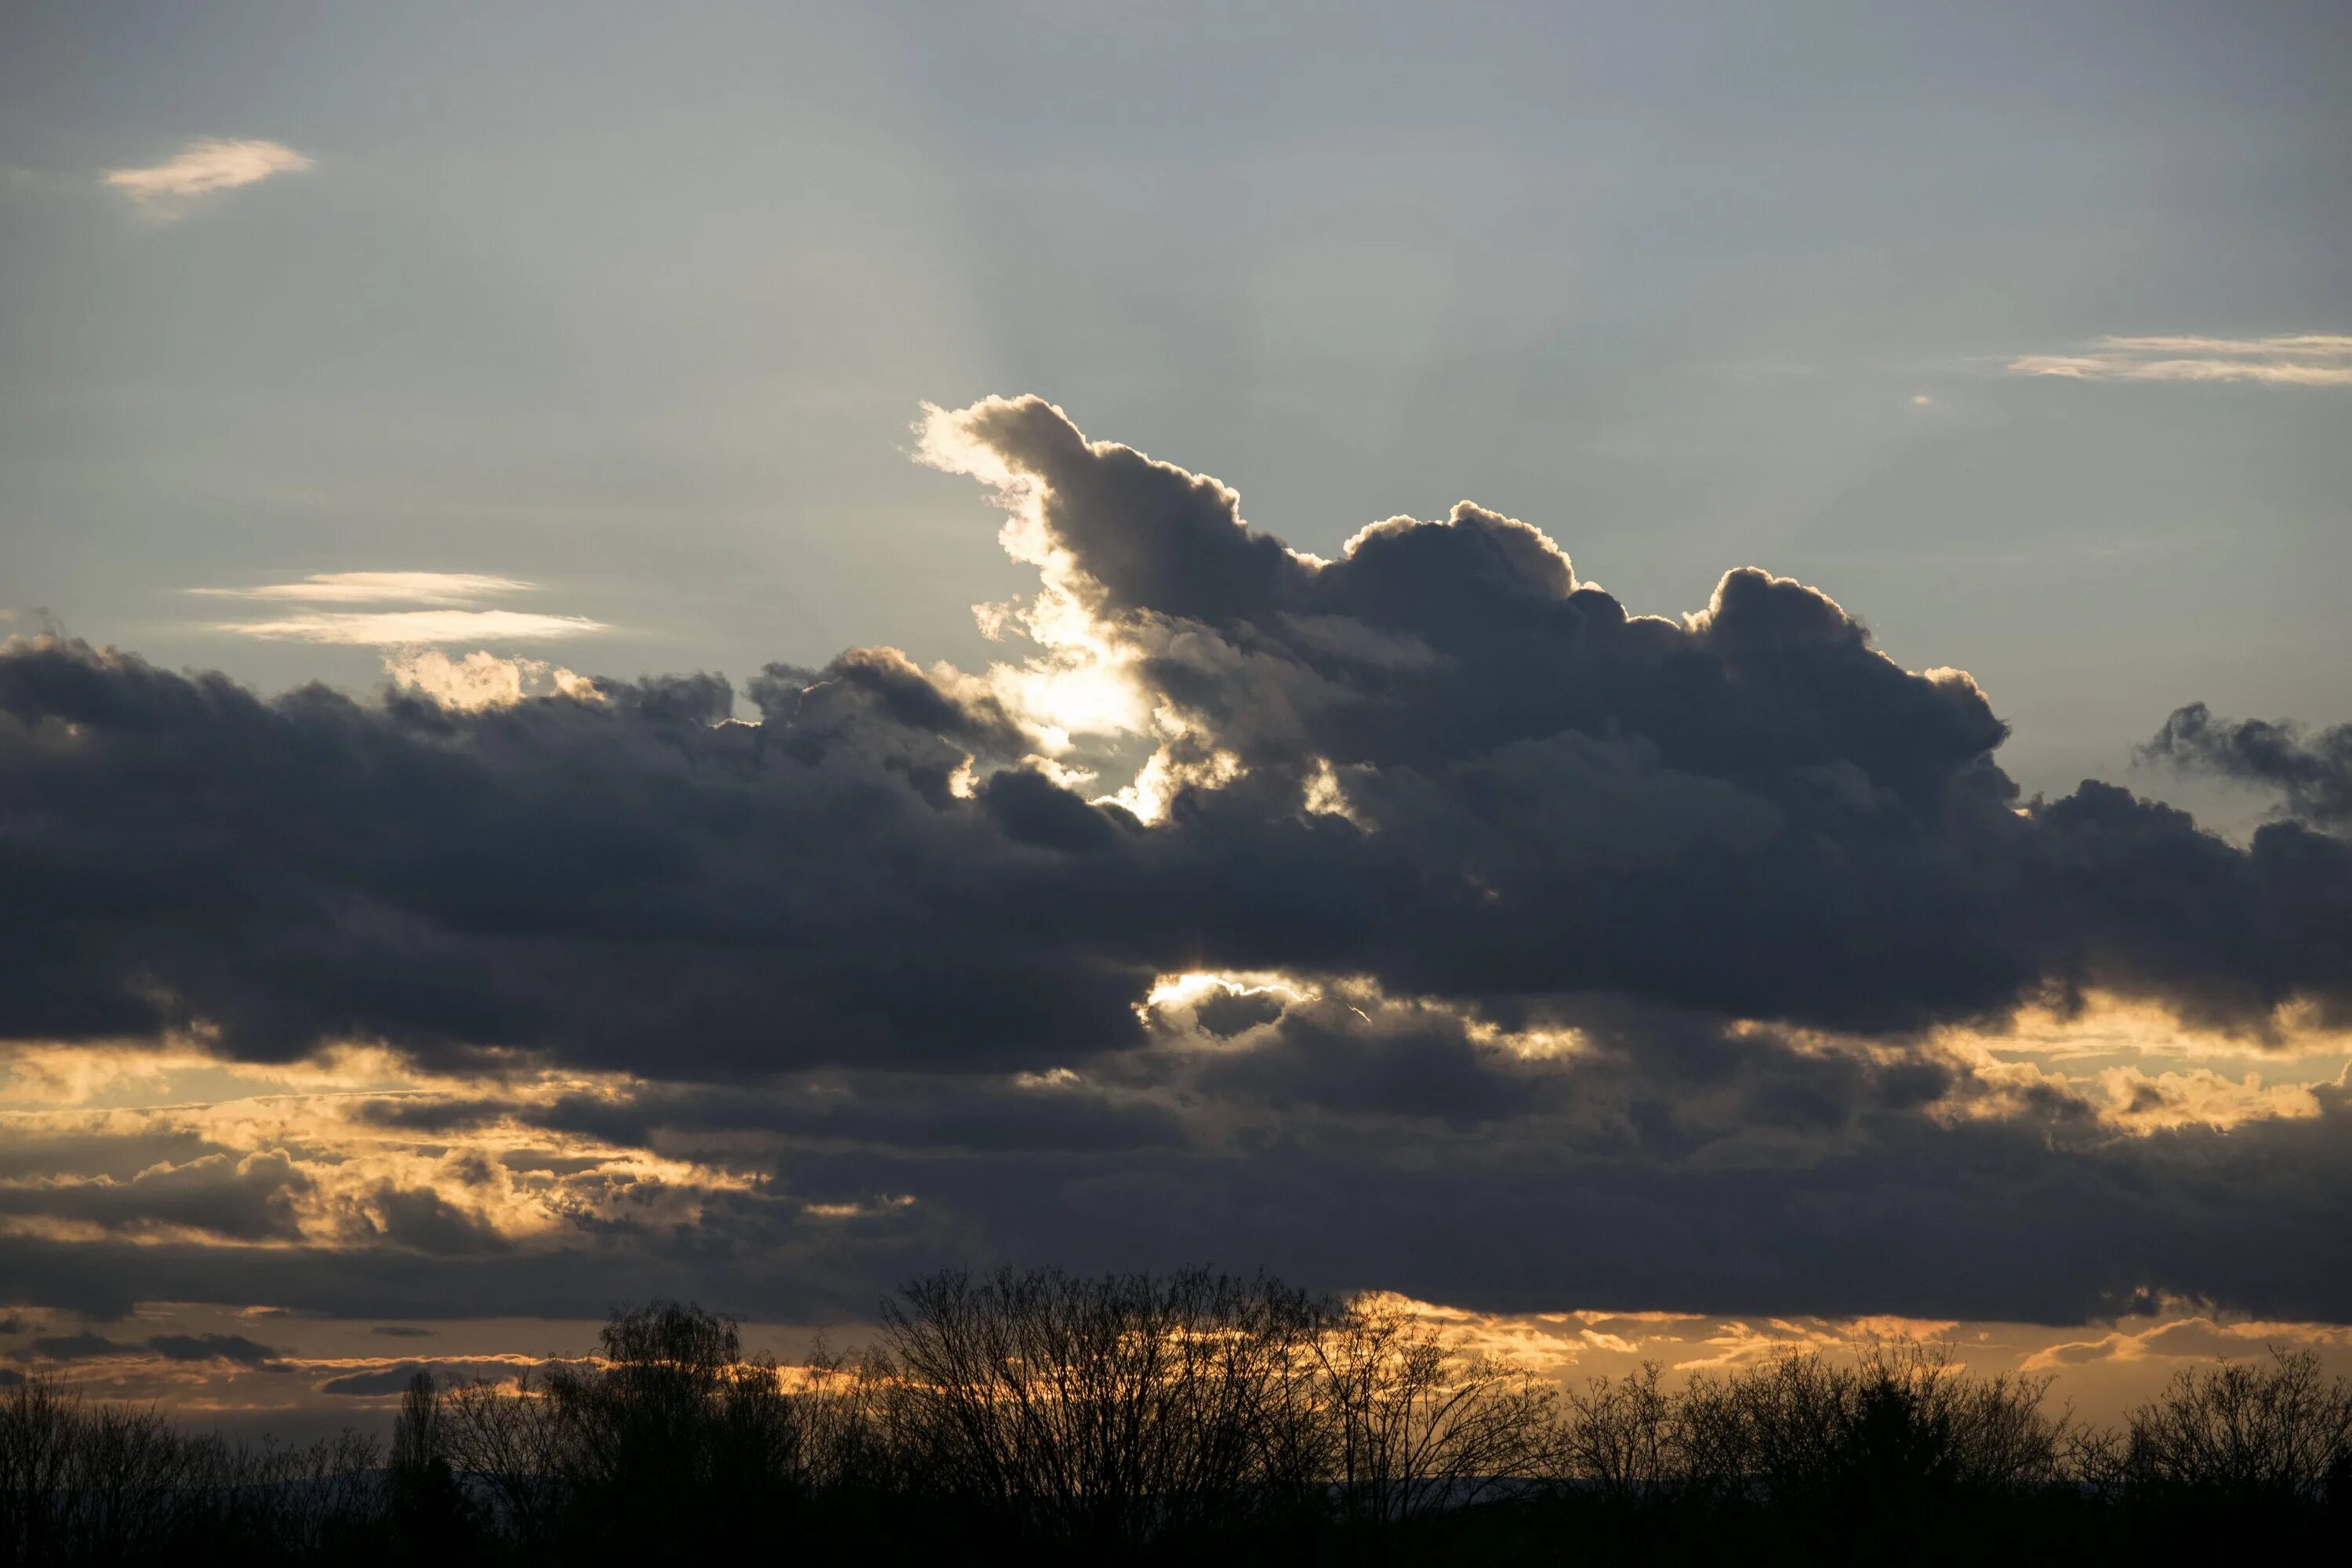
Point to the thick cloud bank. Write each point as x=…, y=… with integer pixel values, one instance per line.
x=1613, y=951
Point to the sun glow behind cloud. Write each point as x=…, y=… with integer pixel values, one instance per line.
x=1081, y=688
x=1082, y=697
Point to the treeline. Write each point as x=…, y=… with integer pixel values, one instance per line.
x=1192, y=1417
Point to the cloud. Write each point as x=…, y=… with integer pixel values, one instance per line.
x=378, y=587
x=205, y=167
x=1549, y=798
x=2317, y=344
x=406, y=629
x=73, y=1347
x=2303, y=359
x=233, y=1348
x=249, y=1199
x=1364, y=918
x=361, y=1385
x=480, y=679
x=483, y=679
x=377, y=1382
x=2190, y=1338
x=2313, y=772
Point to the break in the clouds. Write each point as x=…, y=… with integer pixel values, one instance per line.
x=2299, y=359
x=1421, y=918
x=205, y=166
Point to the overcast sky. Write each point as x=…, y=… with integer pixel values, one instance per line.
x=479, y=354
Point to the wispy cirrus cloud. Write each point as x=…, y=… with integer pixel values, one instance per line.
x=410, y=628
x=377, y=587
x=440, y=611
x=205, y=167
x=2296, y=359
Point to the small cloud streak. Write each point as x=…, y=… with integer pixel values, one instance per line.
x=205, y=167
x=414, y=628
x=377, y=588
x=440, y=612
x=2299, y=359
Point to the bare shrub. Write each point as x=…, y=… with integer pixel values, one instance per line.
x=1111, y=1412
x=507, y=1444
x=99, y=1483
x=1419, y=1425
x=1906, y=1419
x=1631, y=1442
x=2244, y=1433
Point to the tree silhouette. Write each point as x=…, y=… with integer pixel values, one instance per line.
x=1189, y=1418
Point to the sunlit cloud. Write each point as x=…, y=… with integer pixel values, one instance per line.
x=2300, y=359
x=377, y=588
x=1086, y=683
x=205, y=167
x=2325, y=345
x=2185, y=1339
x=482, y=680
x=409, y=628
x=350, y=1149
x=445, y=615
x=2199, y=1097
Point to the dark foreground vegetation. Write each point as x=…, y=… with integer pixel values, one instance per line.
x=1198, y=1417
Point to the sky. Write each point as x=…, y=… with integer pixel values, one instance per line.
x=602, y=698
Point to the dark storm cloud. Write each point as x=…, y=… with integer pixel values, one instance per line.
x=888, y=1111
x=419, y=1219
x=1752, y=811
x=1755, y=813
x=243, y=1199
x=233, y=1347
x=584, y=877
x=2027, y=1217
x=868, y=952
x=73, y=1347
x=95, y=1151
x=2314, y=772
